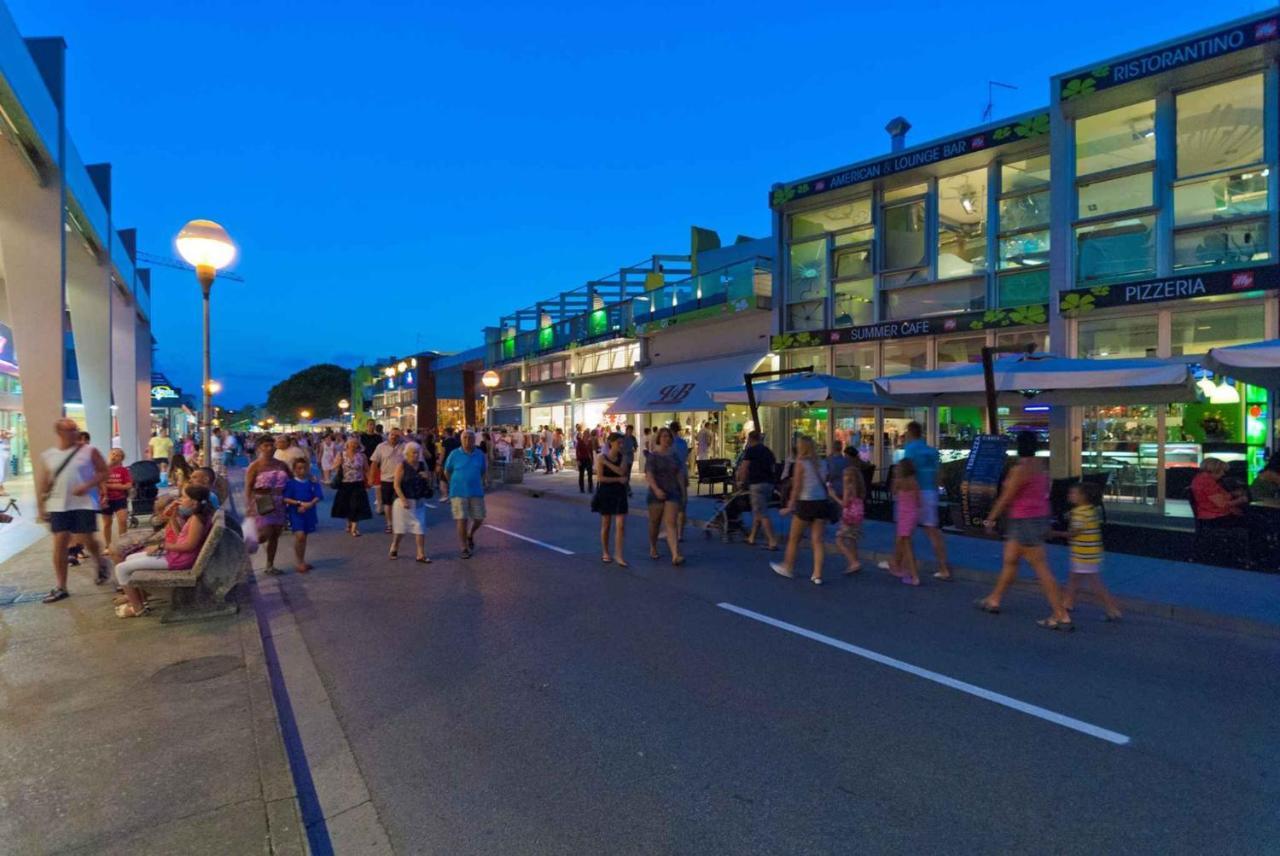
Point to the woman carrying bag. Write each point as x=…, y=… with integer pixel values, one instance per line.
x=409, y=513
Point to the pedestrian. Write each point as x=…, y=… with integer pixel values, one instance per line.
x=927, y=462
x=189, y=447
x=807, y=500
x=329, y=452
x=264, y=483
x=834, y=469
x=161, y=449
x=906, y=516
x=663, y=473
x=705, y=441
x=387, y=458
x=558, y=445
x=370, y=439
x=610, y=500
x=852, y=511
x=630, y=445
x=229, y=445
x=179, y=472
x=409, y=515
x=115, y=510
x=756, y=470
x=287, y=451
x=447, y=445
x=351, y=499
x=68, y=499
x=301, y=496
x=464, y=472
x=585, y=451
x=1084, y=536
x=1025, y=498
x=681, y=450
x=6, y=438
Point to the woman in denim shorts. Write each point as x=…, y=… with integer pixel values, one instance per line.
x=1025, y=498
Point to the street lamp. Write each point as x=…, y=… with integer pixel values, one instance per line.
x=305, y=414
x=207, y=247
x=489, y=379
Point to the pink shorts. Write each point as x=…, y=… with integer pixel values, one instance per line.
x=907, y=517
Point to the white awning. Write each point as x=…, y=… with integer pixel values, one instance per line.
x=686, y=386
x=1257, y=363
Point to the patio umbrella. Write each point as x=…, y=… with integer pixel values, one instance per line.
x=1047, y=379
x=806, y=387
x=1257, y=363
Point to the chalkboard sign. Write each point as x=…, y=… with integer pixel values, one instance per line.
x=982, y=478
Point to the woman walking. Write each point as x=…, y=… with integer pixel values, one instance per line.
x=352, y=498
x=610, y=499
x=329, y=451
x=1025, y=496
x=662, y=471
x=264, y=497
x=808, y=500
x=409, y=513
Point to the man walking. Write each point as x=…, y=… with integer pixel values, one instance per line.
x=835, y=464
x=756, y=470
x=464, y=472
x=68, y=494
x=680, y=448
x=926, y=460
x=584, y=449
x=160, y=448
x=629, y=447
x=389, y=455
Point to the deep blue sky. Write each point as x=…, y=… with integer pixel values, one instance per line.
x=400, y=173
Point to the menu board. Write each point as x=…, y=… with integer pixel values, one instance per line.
x=981, y=481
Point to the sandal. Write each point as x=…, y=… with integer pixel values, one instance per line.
x=817, y=581
x=982, y=604
x=423, y=559
x=945, y=578
x=622, y=564
x=1053, y=624
x=677, y=560
x=393, y=555
x=55, y=595
x=909, y=581
x=653, y=554
x=606, y=559
x=124, y=610
x=853, y=569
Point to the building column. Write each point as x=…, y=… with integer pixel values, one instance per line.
x=31, y=263
x=124, y=381
x=469, y=398
x=142, y=369
x=89, y=304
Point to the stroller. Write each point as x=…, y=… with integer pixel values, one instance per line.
x=727, y=516
x=142, y=499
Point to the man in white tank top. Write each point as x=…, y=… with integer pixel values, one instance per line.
x=69, y=490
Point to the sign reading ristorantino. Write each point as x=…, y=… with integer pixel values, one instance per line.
x=1170, y=288
x=1186, y=53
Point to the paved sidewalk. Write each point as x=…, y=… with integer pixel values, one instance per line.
x=128, y=736
x=1245, y=601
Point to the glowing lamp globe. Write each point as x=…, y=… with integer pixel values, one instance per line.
x=489, y=379
x=344, y=404
x=205, y=245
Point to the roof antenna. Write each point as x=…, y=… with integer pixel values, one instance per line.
x=991, y=101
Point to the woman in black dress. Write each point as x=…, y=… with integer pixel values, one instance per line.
x=352, y=499
x=610, y=498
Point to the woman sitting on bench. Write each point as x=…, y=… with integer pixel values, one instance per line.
x=183, y=538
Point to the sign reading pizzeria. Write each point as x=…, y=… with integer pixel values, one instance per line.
x=1185, y=287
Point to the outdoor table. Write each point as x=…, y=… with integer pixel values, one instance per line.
x=1263, y=519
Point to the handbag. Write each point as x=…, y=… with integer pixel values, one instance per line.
x=335, y=481
x=854, y=511
x=833, y=511
x=264, y=504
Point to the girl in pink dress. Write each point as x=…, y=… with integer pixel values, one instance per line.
x=906, y=494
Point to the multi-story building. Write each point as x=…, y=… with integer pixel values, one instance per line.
x=1133, y=216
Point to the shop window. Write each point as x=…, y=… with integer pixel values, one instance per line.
x=959, y=296
x=962, y=224
x=1126, y=193
x=1225, y=244
x=1024, y=249
x=1116, y=139
x=1195, y=332
x=1028, y=174
x=834, y=218
x=1023, y=289
x=910, y=355
x=802, y=358
x=1025, y=211
x=1220, y=126
x=808, y=271
x=856, y=362
x=1112, y=338
x=854, y=302
x=903, y=245
x=854, y=236
x=906, y=191
x=852, y=262
x=1236, y=194
x=1038, y=340
x=960, y=349
x=805, y=316
x=1115, y=249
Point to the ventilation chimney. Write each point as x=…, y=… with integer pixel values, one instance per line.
x=897, y=129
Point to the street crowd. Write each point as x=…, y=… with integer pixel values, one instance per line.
x=286, y=476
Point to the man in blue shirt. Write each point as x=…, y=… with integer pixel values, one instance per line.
x=926, y=461
x=464, y=471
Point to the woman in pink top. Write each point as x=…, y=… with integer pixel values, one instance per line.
x=906, y=507
x=1025, y=497
x=183, y=537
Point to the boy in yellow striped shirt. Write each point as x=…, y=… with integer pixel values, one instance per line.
x=1084, y=536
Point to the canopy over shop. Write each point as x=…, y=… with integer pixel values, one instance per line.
x=1257, y=363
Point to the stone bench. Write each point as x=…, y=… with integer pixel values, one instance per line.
x=201, y=591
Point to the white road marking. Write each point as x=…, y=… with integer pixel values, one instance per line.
x=530, y=540
x=1013, y=703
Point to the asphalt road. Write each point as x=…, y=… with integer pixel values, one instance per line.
x=526, y=701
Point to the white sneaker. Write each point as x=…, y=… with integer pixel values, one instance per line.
x=781, y=570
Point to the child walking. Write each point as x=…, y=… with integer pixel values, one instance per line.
x=852, y=511
x=301, y=495
x=1084, y=536
x=906, y=495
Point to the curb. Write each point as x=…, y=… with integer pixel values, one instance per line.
x=1137, y=606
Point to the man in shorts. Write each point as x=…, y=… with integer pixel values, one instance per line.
x=756, y=470
x=926, y=461
x=72, y=476
x=464, y=473
x=389, y=455
x=160, y=448
x=680, y=448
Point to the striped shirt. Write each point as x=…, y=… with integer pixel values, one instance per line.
x=1086, y=535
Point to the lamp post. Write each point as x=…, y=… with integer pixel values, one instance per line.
x=490, y=380
x=343, y=407
x=207, y=247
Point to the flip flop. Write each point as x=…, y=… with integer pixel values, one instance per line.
x=986, y=607
x=1051, y=624
x=606, y=560
x=945, y=578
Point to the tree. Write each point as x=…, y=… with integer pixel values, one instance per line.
x=317, y=389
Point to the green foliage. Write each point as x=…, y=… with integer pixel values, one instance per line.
x=1079, y=86
x=317, y=388
x=796, y=340
x=1034, y=127
x=1073, y=301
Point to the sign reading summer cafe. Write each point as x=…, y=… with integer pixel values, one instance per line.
x=1236, y=38
x=937, y=325
x=1023, y=129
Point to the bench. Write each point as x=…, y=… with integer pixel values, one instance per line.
x=201, y=591
x=714, y=471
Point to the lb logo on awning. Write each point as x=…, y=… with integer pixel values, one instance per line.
x=673, y=393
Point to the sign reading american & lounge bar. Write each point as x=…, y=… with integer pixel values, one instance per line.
x=933, y=326
x=1185, y=287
